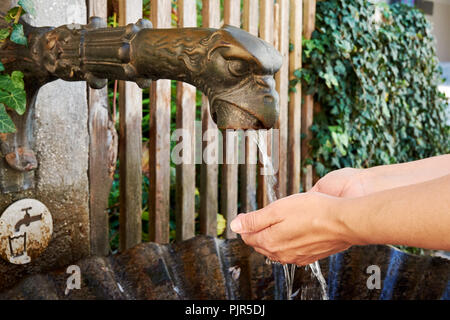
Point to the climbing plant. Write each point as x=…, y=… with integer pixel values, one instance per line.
x=374, y=72
x=12, y=89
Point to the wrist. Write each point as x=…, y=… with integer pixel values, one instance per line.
x=352, y=220
x=367, y=180
x=380, y=178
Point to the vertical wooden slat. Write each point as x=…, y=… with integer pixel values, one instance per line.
x=282, y=80
x=309, y=12
x=185, y=195
x=232, y=12
x=209, y=172
x=276, y=25
x=159, y=141
x=250, y=16
x=229, y=190
x=295, y=101
x=130, y=108
x=100, y=147
x=266, y=20
x=248, y=170
x=266, y=32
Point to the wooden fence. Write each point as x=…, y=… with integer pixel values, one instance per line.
x=280, y=22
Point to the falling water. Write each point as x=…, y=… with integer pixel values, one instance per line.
x=315, y=268
x=16, y=151
x=289, y=269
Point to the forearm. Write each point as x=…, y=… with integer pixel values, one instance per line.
x=397, y=175
x=416, y=215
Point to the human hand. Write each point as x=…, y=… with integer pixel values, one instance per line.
x=298, y=229
x=344, y=183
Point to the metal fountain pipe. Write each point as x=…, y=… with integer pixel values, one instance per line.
x=233, y=68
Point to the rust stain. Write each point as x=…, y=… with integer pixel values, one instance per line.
x=3, y=136
x=22, y=159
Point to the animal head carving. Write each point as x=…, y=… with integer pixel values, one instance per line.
x=235, y=70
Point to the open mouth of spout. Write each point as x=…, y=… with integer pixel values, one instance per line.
x=228, y=115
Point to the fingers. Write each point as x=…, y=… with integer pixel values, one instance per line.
x=254, y=221
x=264, y=243
x=306, y=260
x=262, y=239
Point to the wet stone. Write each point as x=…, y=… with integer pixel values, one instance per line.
x=209, y=268
x=197, y=266
x=143, y=272
x=236, y=268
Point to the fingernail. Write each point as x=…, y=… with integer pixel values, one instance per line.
x=236, y=225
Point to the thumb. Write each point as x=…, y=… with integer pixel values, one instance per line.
x=254, y=221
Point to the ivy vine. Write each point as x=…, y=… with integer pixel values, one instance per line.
x=12, y=89
x=373, y=69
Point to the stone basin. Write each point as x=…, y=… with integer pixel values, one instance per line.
x=210, y=268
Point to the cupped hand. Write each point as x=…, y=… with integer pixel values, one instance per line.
x=298, y=229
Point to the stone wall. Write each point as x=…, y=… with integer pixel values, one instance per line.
x=60, y=140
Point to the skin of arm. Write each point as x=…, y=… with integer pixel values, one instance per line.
x=417, y=215
x=403, y=174
x=306, y=227
x=349, y=182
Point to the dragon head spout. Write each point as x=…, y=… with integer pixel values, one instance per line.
x=236, y=73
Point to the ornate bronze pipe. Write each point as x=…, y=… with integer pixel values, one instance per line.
x=233, y=68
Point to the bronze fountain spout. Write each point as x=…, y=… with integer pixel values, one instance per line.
x=233, y=68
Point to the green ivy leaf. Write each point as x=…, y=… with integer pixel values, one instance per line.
x=2, y=67
x=17, y=35
x=17, y=79
x=15, y=99
x=6, y=83
x=4, y=33
x=12, y=14
x=6, y=124
x=27, y=5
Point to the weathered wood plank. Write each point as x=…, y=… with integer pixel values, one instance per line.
x=229, y=190
x=266, y=20
x=276, y=25
x=185, y=195
x=309, y=13
x=295, y=101
x=98, y=8
x=232, y=12
x=250, y=16
x=209, y=172
x=266, y=32
x=247, y=173
x=130, y=108
x=282, y=80
x=159, y=142
x=309, y=17
x=102, y=155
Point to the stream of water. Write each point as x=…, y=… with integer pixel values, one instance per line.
x=289, y=269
